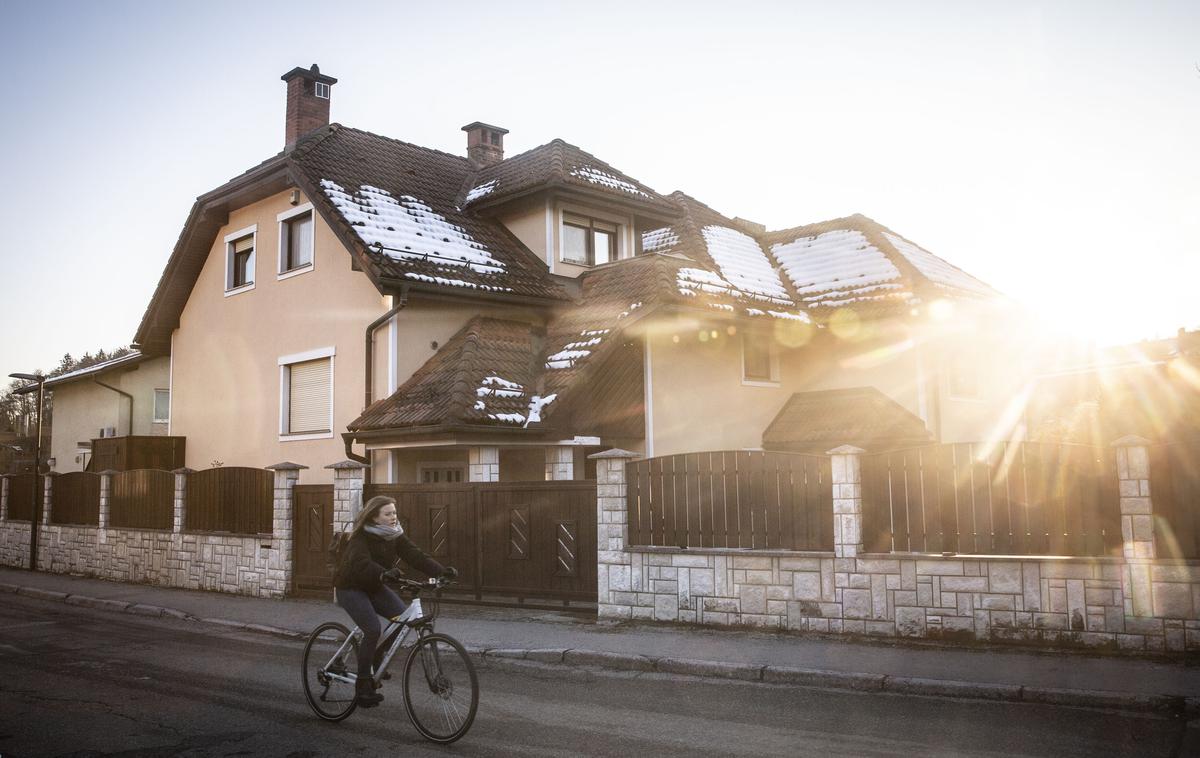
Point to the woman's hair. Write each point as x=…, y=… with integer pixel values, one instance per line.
x=370, y=508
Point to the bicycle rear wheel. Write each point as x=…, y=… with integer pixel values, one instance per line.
x=441, y=690
x=329, y=676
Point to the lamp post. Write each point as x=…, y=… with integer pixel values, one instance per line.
x=38, y=492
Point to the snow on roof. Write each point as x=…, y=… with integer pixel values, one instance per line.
x=659, y=239
x=408, y=228
x=596, y=176
x=495, y=386
x=841, y=260
x=937, y=270
x=573, y=352
x=744, y=264
x=481, y=190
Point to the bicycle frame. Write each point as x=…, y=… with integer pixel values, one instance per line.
x=405, y=620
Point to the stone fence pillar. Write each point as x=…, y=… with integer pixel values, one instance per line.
x=105, y=500
x=347, y=493
x=560, y=463
x=847, y=501
x=179, y=520
x=47, y=498
x=1137, y=510
x=614, y=589
x=483, y=464
x=282, y=526
x=1137, y=523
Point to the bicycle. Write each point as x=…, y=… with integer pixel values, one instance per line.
x=441, y=689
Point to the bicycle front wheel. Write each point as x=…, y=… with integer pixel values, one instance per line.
x=441, y=690
x=329, y=666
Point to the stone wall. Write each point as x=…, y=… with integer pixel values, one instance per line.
x=259, y=565
x=1130, y=603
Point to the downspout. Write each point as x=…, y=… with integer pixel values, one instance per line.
x=119, y=392
x=369, y=364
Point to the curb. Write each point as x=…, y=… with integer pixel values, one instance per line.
x=768, y=674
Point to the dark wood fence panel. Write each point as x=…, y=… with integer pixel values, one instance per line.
x=992, y=499
x=556, y=523
x=20, y=497
x=76, y=499
x=312, y=519
x=231, y=499
x=441, y=519
x=129, y=453
x=142, y=499
x=1175, y=490
x=737, y=499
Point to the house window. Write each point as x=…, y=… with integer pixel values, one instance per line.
x=296, y=239
x=588, y=241
x=239, y=260
x=434, y=474
x=162, y=406
x=306, y=394
x=759, y=358
x=321, y=90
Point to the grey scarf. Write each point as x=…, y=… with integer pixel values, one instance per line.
x=387, y=533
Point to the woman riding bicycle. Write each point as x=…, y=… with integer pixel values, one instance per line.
x=376, y=540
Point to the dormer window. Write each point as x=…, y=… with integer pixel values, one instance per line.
x=588, y=241
x=321, y=90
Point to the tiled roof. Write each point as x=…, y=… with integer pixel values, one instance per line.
x=858, y=262
x=863, y=416
x=563, y=164
x=399, y=203
x=485, y=375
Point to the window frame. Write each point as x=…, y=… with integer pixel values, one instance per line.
x=154, y=409
x=442, y=466
x=318, y=92
x=590, y=237
x=231, y=240
x=772, y=378
x=285, y=392
x=956, y=362
x=283, y=220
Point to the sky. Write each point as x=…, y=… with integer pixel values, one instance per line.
x=1049, y=148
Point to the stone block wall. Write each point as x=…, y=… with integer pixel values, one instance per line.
x=1130, y=603
x=259, y=565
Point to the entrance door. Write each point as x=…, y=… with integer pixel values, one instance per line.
x=313, y=531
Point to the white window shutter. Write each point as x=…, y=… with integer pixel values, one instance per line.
x=309, y=401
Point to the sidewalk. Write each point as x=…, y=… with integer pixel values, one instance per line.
x=564, y=638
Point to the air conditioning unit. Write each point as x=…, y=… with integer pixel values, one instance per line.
x=108, y=431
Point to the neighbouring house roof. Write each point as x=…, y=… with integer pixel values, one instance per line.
x=129, y=360
x=863, y=416
x=858, y=262
x=559, y=164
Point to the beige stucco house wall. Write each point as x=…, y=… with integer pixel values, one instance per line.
x=82, y=408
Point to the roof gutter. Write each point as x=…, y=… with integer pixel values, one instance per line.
x=369, y=364
x=126, y=395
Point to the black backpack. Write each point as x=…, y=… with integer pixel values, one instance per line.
x=337, y=548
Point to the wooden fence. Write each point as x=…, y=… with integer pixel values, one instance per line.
x=1175, y=489
x=142, y=499
x=75, y=499
x=732, y=499
x=20, y=497
x=231, y=499
x=992, y=499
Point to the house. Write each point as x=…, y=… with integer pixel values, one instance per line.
x=492, y=318
x=120, y=398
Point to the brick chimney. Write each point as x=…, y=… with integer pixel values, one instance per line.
x=485, y=143
x=307, y=102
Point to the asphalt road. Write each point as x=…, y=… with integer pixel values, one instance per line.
x=80, y=682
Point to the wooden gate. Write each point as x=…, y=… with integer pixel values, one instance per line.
x=312, y=522
x=519, y=541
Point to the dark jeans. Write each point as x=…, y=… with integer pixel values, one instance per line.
x=365, y=608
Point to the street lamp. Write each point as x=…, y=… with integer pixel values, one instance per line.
x=38, y=492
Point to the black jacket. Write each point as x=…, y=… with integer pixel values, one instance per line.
x=366, y=557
